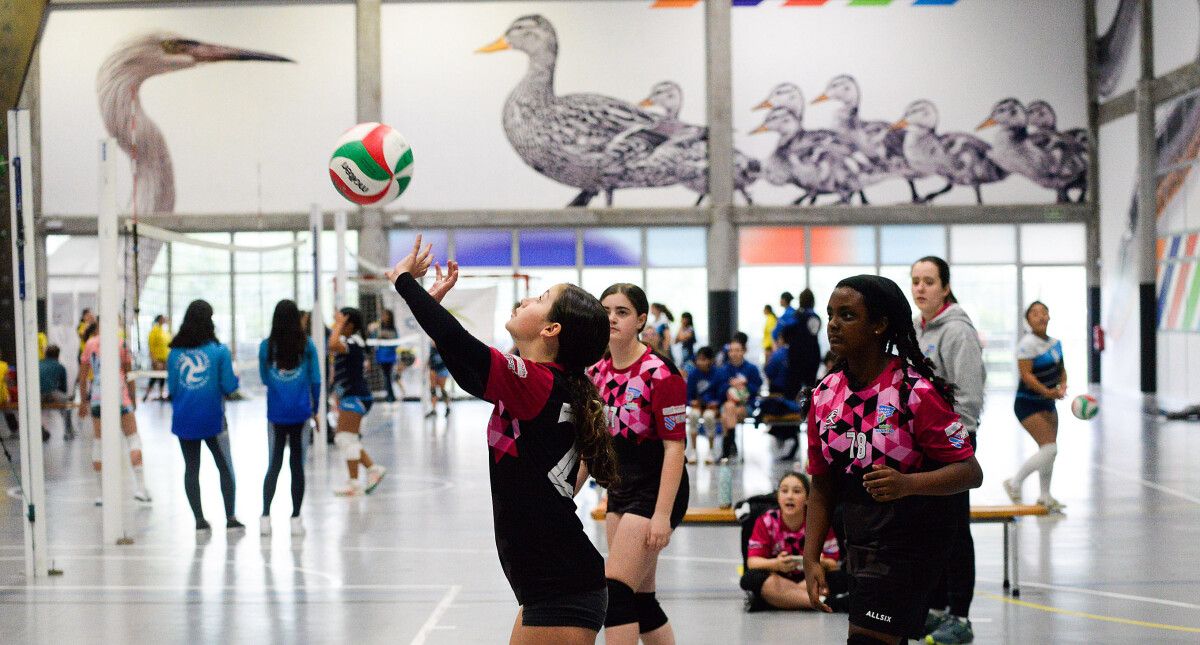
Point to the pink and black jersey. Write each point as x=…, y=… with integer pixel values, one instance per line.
x=647, y=404
x=900, y=421
x=771, y=537
x=532, y=458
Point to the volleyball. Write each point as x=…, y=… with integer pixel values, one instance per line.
x=371, y=164
x=1084, y=407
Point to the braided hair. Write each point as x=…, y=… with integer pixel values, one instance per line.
x=884, y=300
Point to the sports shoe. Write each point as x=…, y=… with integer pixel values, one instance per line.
x=203, y=528
x=1051, y=504
x=234, y=526
x=374, y=476
x=264, y=526
x=349, y=489
x=142, y=496
x=1014, y=491
x=297, y=527
x=933, y=620
x=99, y=501
x=952, y=631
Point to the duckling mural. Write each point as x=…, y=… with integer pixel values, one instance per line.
x=1044, y=156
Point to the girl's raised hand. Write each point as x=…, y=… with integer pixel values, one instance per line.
x=416, y=262
x=444, y=282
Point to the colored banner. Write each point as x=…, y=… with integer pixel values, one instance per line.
x=688, y=4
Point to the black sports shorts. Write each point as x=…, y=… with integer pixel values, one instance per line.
x=580, y=609
x=641, y=500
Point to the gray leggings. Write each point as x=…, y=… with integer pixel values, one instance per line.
x=219, y=447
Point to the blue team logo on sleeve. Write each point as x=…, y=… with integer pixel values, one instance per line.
x=883, y=412
x=956, y=434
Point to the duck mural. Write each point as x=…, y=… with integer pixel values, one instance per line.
x=679, y=152
x=878, y=140
x=959, y=158
x=565, y=138
x=1046, y=157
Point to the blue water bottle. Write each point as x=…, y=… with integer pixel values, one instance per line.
x=725, y=484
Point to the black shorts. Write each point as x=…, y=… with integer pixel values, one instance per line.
x=641, y=500
x=580, y=609
x=1025, y=407
x=889, y=591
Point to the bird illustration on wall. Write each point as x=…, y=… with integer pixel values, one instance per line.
x=878, y=140
x=1047, y=158
x=677, y=152
x=118, y=85
x=565, y=138
x=819, y=162
x=959, y=158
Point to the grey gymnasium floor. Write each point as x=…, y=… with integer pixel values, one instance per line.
x=416, y=563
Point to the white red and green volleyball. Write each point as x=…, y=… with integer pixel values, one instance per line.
x=371, y=164
x=1084, y=407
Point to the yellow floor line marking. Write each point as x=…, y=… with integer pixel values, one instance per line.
x=1081, y=614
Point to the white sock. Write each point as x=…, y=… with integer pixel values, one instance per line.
x=139, y=475
x=1046, y=470
x=1036, y=462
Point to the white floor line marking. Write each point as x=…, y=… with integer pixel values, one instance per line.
x=1102, y=594
x=235, y=588
x=440, y=609
x=1149, y=484
x=334, y=581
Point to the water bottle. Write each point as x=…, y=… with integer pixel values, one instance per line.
x=725, y=484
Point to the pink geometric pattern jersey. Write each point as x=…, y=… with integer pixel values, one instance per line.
x=521, y=391
x=645, y=401
x=898, y=421
x=772, y=537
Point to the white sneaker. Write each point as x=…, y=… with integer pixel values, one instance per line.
x=374, y=476
x=142, y=496
x=1051, y=504
x=1014, y=491
x=297, y=527
x=349, y=489
x=99, y=501
x=264, y=526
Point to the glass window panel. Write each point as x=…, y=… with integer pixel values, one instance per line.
x=542, y=279
x=772, y=245
x=595, y=281
x=329, y=251
x=1053, y=244
x=682, y=289
x=613, y=247
x=758, y=287
x=547, y=248
x=676, y=247
x=822, y=280
x=982, y=244
x=904, y=244
x=843, y=245
x=989, y=296
x=400, y=244
x=483, y=248
x=214, y=288
x=281, y=260
x=153, y=301
x=189, y=258
x=901, y=274
x=256, y=296
x=510, y=290
x=1064, y=291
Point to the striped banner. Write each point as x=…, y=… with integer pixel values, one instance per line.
x=1179, y=282
x=688, y=4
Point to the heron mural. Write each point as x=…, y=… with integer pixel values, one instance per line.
x=118, y=84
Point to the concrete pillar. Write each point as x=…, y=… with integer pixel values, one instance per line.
x=1147, y=208
x=1093, y=194
x=722, y=234
x=372, y=234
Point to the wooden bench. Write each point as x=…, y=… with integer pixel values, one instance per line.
x=1004, y=515
x=12, y=407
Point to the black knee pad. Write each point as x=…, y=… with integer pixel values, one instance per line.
x=622, y=606
x=649, y=613
x=863, y=639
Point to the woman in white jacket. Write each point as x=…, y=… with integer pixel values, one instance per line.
x=948, y=338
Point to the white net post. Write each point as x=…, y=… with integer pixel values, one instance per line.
x=29, y=404
x=317, y=320
x=110, y=359
x=339, y=283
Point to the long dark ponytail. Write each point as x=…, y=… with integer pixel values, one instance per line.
x=287, y=343
x=581, y=343
x=884, y=300
x=197, y=328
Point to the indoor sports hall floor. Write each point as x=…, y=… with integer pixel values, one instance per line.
x=416, y=562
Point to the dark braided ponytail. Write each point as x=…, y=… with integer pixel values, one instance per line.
x=885, y=300
x=581, y=344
